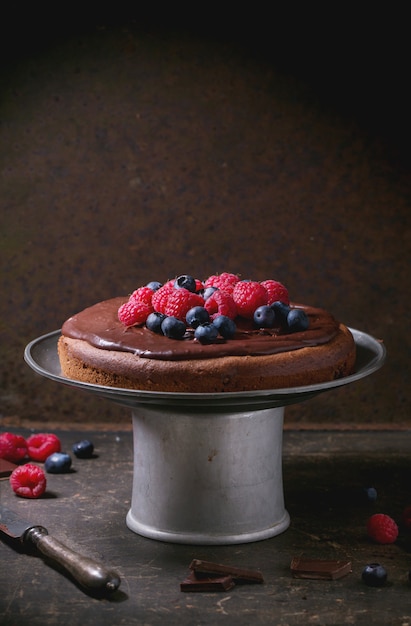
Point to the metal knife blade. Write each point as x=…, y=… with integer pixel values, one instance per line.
x=89, y=573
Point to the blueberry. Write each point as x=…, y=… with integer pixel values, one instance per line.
x=154, y=321
x=370, y=494
x=154, y=285
x=281, y=311
x=208, y=291
x=264, y=316
x=225, y=326
x=196, y=316
x=297, y=320
x=83, y=449
x=374, y=575
x=187, y=282
x=173, y=327
x=57, y=463
x=206, y=333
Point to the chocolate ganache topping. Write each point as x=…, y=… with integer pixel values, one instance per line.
x=100, y=327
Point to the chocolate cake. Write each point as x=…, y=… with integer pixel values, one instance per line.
x=224, y=337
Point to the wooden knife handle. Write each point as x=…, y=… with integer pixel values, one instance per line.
x=87, y=572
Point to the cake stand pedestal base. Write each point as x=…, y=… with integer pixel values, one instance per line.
x=205, y=477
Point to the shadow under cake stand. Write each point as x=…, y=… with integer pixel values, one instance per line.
x=207, y=467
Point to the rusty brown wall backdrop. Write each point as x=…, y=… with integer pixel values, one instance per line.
x=137, y=149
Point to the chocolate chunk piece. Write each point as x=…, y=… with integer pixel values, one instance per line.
x=215, y=583
x=319, y=569
x=6, y=468
x=240, y=575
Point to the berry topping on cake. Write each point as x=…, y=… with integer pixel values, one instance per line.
x=186, y=282
x=225, y=326
x=154, y=321
x=41, y=445
x=224, y=281
x=206, y=333
x=154, y=285
x=28, y=481
x=382, y=528
x=58, y=463
x=180, y=301
x=173, y=327
x=160, y=297
x=264, y=316
x=297, y=320
x=221, y=303
x=13, y=447
x=196, y=316
x=134, y=312
x=142, y=294
x=276, y=291
x=248, y=296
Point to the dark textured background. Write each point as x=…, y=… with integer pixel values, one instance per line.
x=136, y=148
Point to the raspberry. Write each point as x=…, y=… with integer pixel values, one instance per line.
x=221, y=303
x=276, y=291
x=134, y=312
x=28, y=481
x=142, y=294
x=199, y=285
x=41, y=445
x=160, y=297
x=248, y=296
x=224, y=281
x=180, y=301
x=12, y=447
x=382, y=528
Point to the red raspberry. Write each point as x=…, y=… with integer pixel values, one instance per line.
x=199, y=285
x=160, y=297
x=134, y=312
x=224, y=281
x=276, y=291
x=12, y=447
x=382, y=528
x=28, y=481
x=180, y=301
x=41, y=445
x=142, y=294
x=248, y=296
x=221, y=303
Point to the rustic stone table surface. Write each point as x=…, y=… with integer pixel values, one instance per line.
x=324, y=476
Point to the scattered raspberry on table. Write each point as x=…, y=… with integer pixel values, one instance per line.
x=13, y=447
x=382, y=528
x=28, y=481
x=41, y=445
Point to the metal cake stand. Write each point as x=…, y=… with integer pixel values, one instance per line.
x=207, y=467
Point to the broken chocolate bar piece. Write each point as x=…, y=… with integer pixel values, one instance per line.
x=220, y=583
x=319, y=569
x=6, y=468
x=240, y=575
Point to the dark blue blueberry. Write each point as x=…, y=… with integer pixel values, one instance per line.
x=281, y=311
x=154, y=285
x=83, y=449
x=207, y=333
x=208, y=291
x=173, y=328
x=297, y=320
x=154, y=321
x=374, y=575
x=225, y=326
x=370, y=494
x=264, y=316
x=57, y=463
x=196, y=316
x=186, y=282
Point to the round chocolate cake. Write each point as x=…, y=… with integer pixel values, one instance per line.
x=219, y=335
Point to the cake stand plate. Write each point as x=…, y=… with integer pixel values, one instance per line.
x=207, y=467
